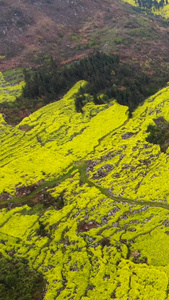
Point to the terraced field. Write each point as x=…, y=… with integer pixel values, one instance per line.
x=84, y=198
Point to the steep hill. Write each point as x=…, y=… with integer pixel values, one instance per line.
x=31, y=31
x=84, y=199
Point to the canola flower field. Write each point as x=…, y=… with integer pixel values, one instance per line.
x=11, y=84
x=109, y=237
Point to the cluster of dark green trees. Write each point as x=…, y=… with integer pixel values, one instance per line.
x=105, y=74
x=149, y=4
x=52, y=80
x=159, y=133
x=127, y=83
x=19, y=282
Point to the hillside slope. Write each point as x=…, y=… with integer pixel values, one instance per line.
x=84, y=198
x=31, y=31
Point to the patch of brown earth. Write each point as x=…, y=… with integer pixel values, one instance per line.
x=83, y=226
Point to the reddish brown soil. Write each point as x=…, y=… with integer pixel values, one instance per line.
x=30, y=31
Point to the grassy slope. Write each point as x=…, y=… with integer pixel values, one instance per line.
x=96, y=246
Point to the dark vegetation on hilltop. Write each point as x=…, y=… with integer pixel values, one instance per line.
x=149, y=4
x=105, y=74
x=18, y=281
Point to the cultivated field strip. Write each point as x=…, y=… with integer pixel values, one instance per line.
x=87, y=199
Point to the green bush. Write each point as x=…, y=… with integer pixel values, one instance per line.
x=18, y=281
